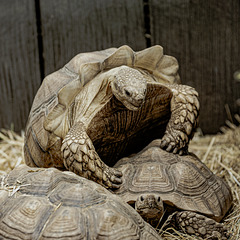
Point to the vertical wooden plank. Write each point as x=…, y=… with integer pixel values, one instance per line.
x=71, y=27
x=19, y=66
x=204, y=37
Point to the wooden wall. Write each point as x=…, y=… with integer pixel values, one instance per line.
x=205, y=38
x=38, y=37
x=19, y=61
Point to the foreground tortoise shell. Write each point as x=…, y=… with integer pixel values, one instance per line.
x=106, y=105
x=156, y=181
x=50, y=204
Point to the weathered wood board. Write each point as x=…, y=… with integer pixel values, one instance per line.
x=39, y=37
x=71, y=27
x=205, y=38
x=19, y=62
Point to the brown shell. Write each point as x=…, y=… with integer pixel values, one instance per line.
x=181, y=181
x=49, y=204
x=49, y=119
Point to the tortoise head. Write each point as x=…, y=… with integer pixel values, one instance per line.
x=129, y=86
x=150, y=207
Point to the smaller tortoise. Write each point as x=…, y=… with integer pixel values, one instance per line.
x=181, y=187
x=50, y=204
x=105, y=105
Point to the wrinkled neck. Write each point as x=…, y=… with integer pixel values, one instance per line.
x=91, y=99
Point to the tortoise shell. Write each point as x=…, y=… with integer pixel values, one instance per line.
x=50, y=204
x=183, y=182
x=75, y=92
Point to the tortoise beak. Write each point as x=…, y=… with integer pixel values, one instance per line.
x=135, y=105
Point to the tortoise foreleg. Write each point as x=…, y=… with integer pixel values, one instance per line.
x=196, y=224
x=183, y=121
x=80, y=157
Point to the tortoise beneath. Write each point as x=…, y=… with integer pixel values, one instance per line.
x=50, y=204
x=162, y=184
x=106, y=105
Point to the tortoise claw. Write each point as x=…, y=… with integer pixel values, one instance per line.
x=170, y=147
x=115, y=186
x=115, y=179
x=163, y=144
x=181, y=152
x=117, y=173
x=113, y=176
x=175, y=150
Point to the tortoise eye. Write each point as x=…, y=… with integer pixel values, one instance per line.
x=159, y=199
x=127, y=93
x=141, y=198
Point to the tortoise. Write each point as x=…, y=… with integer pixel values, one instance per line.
x=46, y=203
x=168, y=189
x=108, y=104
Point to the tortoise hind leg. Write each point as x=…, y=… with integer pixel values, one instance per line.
x=80, y=157
x=196, y=224
x=183, y=121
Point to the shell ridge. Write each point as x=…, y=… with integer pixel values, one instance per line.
x=122, y=56
x=167, y=69
x=163, y=67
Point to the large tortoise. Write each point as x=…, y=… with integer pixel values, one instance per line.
x=50, y=204
x=160, y=183
x=106, y=105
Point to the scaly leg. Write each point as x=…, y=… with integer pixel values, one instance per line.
x=80, y=157
x=196, y=224
x=183, y=121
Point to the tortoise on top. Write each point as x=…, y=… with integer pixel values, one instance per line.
x=50, y=204
x=105, y=105
x=160, y=183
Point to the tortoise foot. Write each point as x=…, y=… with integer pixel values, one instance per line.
x=172, y=142
x=113, y=177
x=183, y=121
x=80, y=157
x=196, y=224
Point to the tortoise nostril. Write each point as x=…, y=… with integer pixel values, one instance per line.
x=140, y=101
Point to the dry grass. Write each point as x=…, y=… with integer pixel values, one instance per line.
x=11, y=150
x=221, y=153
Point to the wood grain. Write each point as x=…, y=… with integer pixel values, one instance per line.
x=71, y=27
x=204, y=37
x=19, y=62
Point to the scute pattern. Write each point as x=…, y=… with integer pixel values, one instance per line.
x=188, y=182
x=155, y=176
x=182, y=181
x=65, y=207
x=120, y=226
x=16, y=214
x=76, y=195
x=66, y=219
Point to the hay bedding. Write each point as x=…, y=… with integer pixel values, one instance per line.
x=11, y=150
x=221, y=153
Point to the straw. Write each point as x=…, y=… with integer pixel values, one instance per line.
x=220, y=152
